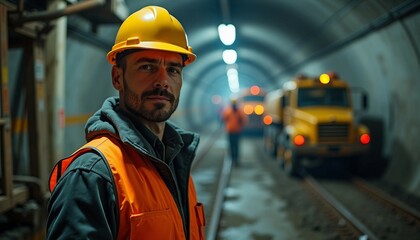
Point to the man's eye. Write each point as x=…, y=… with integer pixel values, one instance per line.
x=146, y=67
x=174, y=70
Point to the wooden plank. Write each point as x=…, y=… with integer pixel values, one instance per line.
x=6, y=182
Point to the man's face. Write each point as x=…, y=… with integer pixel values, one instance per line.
x=151, y=84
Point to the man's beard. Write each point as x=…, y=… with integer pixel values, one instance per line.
x=136, y=104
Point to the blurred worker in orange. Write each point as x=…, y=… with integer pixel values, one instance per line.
x=234, y=120
x=132, y=179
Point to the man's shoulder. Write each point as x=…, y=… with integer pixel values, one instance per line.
x=90, y=162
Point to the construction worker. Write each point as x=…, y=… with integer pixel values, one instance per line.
x=131, y=180
x=234, y=120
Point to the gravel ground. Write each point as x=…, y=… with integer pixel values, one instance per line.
x=381, y=220
x=306, y=216
x=397, y=192
x=313, y=222
x=303, y=213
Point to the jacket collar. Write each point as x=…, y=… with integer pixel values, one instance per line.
x=109, y=120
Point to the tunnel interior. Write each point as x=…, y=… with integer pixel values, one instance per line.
x=374, y=45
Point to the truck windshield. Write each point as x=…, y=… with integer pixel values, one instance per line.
x=252, y=98
x=323, y=97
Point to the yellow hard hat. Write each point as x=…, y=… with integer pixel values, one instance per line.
x=151, y=27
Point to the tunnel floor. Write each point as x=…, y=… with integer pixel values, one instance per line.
x=261, y=202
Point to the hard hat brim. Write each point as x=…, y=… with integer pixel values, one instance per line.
x=152, y=46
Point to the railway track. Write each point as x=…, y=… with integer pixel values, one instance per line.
x=362, y=211
x=355, y=209
x=220, y=164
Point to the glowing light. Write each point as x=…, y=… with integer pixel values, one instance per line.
x=299, y=140
x=233, y=80
x=267, y=120
x=229, y=56
x=255, y=90
x=259, y=109
x=232, y=72
x=227, y=34
x=364, y=138
x=324, y=78
x=248, y=109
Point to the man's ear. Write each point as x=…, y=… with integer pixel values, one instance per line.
x=117, y=77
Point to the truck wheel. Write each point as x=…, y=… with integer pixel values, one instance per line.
x=292, y=163
x=274, y=148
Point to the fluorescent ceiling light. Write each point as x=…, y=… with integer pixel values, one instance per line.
x=227, y=34
x=233, y=84
x=229, y=56
x=232, y=72
x=233, y=79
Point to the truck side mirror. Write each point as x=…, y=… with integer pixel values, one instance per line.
x=365, y=101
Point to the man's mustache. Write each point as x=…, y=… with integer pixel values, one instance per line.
x=159, y=92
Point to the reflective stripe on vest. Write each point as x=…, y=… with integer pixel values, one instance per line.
x=147, y=208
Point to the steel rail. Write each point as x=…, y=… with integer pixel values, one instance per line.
x=388, y=199
x=212, y=228
x=207, y=146
x=220, y=195
x=333, y=202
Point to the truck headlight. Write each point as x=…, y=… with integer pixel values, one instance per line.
x=299, y=140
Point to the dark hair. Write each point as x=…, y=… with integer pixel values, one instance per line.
x=121, y=55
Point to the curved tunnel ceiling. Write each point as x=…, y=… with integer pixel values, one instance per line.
x=274, y=38
x=274, y=34
x=266, y=33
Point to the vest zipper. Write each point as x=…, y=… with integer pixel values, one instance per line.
x=177, y=192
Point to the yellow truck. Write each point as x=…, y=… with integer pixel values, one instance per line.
x=311, y=120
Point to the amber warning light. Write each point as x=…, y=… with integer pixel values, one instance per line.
x=324, y=78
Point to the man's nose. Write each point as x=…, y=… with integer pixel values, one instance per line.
x=161, y=79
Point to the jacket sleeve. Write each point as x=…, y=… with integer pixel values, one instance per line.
x=83, y=205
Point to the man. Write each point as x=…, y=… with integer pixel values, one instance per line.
x=132, y=179
x=234, y=120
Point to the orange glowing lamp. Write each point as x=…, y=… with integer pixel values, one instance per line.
x=268, y=120
x=248, y=109
x=255, y=90
x=299, y=140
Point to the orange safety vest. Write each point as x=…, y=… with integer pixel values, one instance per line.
x=147, y=208
x=234, y=120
